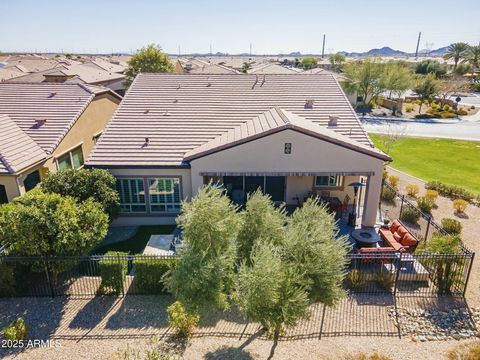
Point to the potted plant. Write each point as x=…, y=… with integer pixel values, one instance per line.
x=386, y=222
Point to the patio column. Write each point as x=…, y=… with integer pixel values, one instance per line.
x=372, y=198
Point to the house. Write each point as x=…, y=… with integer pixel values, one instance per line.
x=272, y=68
x=48, y=127
x=290, y=135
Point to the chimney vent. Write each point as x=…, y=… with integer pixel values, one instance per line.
x=332, y=120
x=308, y=104
x=39, y=123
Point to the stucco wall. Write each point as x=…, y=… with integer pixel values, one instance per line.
x=11, y=187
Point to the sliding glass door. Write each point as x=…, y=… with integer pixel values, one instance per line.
x=238, y=187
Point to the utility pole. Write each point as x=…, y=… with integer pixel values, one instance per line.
x=178, y=50
x=323, y=47
x=418, y=43
x=250, y=49
x=210, y=49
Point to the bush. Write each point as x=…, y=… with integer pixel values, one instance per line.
x=17, y=330
x=112, y=271
x=384, y=279
x=452, y=226
x=149, y=275
x=418, y=101
x=425, y=204
x=412, y=190
x=363, y=356
x=470, y=351
x=409, y=215
x=447, y=114
x=181, y=320
x=7, y=281
x=355, y=279
x=451, y=191
x=385, y=174
x=432, y=195
x=460, y=205
x=461, y=112
x=446, y=107
x=388, y=194
x=409, y=108
x=393, y=180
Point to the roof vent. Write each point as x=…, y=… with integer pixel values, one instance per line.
x=179, y=86
x=175, y=101
x=146, y=111
x=308, y=104
x=209, y=84
x=39, y=123
x=51, y=95
x=332, y=120
x=147, y=141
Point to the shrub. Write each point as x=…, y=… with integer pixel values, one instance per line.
x=470, y=351
x=446, y=107
x=17, y=330
x=385, y=174
x=409, y=108
x=149, y=275
x=460, y=205
x=425, y=204
x=432, y=195
x=355, y=279
x=363, y=356
x=409, y=215
x=451, y=191
x=388, y=194
x=412, y=190
x=112, y=271
x=408, y=101
x=461, y=112
x=384, y=279
x=7, y=281
x=452, y=226
x=393, y=180
x=447, y=115
x=181, y=320
x=418, y=101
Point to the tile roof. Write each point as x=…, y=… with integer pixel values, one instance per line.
x=59, y=104
x=275, y=120
x=213, y=69
x=180, y=112
x=272, y=68
x=17, y=149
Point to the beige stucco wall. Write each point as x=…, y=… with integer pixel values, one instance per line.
x=11, y=187
x=308, y=155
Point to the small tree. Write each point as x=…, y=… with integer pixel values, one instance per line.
x=363, y=79
x=245, y=67
x=337, y=60
x=308, y=63
x=204, y=274
x=149, y=59
x=262, y=222
x=426, y=88
x=269, y=292
x=95, y=184
x=396, y=78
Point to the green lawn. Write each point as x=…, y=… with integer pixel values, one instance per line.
x=136, y=243
x=455, y=162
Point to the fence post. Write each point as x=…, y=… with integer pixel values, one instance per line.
x=468, y=274
x=401, y=206
x=398, y=267
x=428, y=228
x=122, y=279
x=49, y=279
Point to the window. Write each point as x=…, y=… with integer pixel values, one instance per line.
x=3, y=195
x=132, y=195
x=71, y=160
x=164, y=195
x=329, y=181
x=31, y=180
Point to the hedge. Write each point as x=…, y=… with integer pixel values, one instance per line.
x=451, y=191
x=7, y=281
x=113, y=272
x=149, y=275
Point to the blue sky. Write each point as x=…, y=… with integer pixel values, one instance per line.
x=230, y=26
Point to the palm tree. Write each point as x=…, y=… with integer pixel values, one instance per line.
x=456, y=51
x=473, y=56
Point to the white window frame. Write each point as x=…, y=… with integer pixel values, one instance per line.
x=165, y=204
x=130, y=205
x=69, y=153
x=338, y=182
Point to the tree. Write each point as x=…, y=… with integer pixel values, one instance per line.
x=204, y=275
x=337, y=60
x=261, y=222
x=450, y=87
x=85, y=184
x=245, y=67
x=41, y=224
x=456, y=51
x=426, y=88
x=473, y=56
x=149, y=59
x=308, y=63
x=363, y=79
x=312, y=250
x=270, y=292
x=431, y=66
x=395, y=78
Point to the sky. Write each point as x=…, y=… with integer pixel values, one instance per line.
x=105, y=26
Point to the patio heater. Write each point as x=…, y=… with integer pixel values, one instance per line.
x=352, y=217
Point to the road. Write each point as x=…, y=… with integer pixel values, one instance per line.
x=467, y=128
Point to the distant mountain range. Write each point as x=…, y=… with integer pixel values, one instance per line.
x=388, y=51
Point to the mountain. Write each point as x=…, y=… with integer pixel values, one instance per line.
x=384, y=51
x=439, y=52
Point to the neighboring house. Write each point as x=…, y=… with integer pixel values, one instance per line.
x=48, y=127
x=290, y=135
x=272, y=68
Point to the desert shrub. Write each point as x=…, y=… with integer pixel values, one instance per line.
x=447, y=115
x=112, y=271
x=446, y=107
x=425, y=204
x=363, y=356
x=418, y=101
x=7, y=280
x=16, y=330
x=393, y=180
x=181, y=320
x=452, y=226
x=469, y=351
x=412, y=189
x=388, y=194
x=385, y=174
x=355, y=279
x=409, y=215
x=384, y=279
x=451, y=191
x=149, y=275
x=460, y=205
x=409, y=108
x=427, y=116
x=432, y=195
x=461, y=112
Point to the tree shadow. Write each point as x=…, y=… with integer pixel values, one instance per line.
x=461, y=215
x=230, y=353
x=100, y=306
